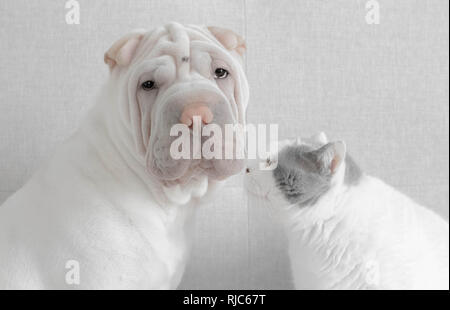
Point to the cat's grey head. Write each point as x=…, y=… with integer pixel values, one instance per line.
x=304, y=173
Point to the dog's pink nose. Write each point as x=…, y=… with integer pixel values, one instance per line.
x=196, y=109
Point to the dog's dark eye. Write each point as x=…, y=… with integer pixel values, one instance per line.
x=220, y=73
x=148, y=85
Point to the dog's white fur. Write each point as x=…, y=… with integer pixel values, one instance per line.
x=95, y=202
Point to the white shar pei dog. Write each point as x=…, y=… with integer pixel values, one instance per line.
x=109, y=210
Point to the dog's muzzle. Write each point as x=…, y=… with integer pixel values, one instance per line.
x=180, y=108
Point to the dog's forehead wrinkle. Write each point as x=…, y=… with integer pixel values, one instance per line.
x=173, y=38
x=178, y=34
x=186, y=47
x=201, y=62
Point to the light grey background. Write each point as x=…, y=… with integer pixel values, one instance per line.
x=312, y=65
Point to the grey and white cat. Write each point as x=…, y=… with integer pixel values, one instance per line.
x=348, y=230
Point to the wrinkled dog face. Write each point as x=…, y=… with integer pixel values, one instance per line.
x=173, y=74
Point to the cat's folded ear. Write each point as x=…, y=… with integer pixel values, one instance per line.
x=330, y=157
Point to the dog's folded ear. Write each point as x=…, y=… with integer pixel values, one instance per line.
x=229, y=39
x=122, y=51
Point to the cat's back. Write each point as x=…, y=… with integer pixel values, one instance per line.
x=404, y=210
x=411, y=237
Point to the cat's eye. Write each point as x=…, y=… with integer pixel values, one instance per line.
x=221, y=73
x=148, y=85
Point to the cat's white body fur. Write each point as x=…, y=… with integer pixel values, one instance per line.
x=369, y=236
x=364, y=236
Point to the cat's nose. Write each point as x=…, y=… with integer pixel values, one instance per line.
x=196, y=109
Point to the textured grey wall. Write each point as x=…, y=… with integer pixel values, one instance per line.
x=312, y=65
